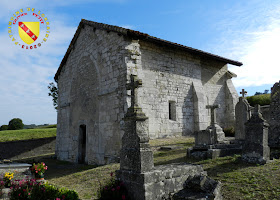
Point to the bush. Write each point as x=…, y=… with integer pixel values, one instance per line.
x=30, y=189
x=4, y=127
x=15, y=124
x=229, y=131
x=262, y=99
x=114, y=190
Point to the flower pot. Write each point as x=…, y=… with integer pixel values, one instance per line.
x=39, y=177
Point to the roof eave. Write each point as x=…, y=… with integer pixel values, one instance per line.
x=137, y=35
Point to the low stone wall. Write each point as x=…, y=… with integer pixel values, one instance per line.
x=27, y=148
x=159, y=183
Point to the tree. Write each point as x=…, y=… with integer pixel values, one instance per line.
x=15, y=124
x=258, y=93
x=53, y=93
x=4, y=127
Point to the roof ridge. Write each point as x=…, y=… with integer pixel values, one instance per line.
x=142, y=36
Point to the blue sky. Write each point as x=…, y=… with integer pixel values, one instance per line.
x=246, y=31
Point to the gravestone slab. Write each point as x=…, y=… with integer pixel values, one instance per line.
x=256, y=149
x=242, y=115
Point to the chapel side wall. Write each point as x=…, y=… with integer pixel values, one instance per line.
x=218, y=90
x=62, y=134
x=168, y=76
x=231, y=101
x=102, y=111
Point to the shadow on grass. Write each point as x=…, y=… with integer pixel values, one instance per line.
x=224, y=165
x=212, y=166
x=57, y=168
x=166, y=157
x=188, y=144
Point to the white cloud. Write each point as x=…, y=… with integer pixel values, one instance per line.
x=260, y=58
x=252, y=38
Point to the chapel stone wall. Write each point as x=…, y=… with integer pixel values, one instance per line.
x=169, y=76
x=92, y=93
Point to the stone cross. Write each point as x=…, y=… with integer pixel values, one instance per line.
x=134, y=112
x=243, y=93
x=133, y=85
x=213, y=113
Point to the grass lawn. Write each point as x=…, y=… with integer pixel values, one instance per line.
x=239, y=180
x=26, y=134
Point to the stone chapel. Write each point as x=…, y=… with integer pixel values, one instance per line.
x=178, y=82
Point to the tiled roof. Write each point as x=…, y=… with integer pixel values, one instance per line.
x=141, y=36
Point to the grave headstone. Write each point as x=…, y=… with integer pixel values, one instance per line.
x=255, y=148
x=219, y=135
x=136, y=154
x=213, y=134
x=242, y=115
x=274, y=129
x=212, y=143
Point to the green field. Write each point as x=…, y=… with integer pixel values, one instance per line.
x=26, y=134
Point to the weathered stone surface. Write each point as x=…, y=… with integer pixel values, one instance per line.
x=213, y=134
x=256, y=149
x=137, y=171
x=160, y=182
x=212, y=143
x=274, y=121
x=199, y=187
x=242, y=115
x=136, y=153
x=20, y=170
x=93, y=93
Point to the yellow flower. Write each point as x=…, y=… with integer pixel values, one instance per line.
x=9, y=175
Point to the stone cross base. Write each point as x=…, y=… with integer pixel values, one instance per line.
x=160, y=182
x=136, y=154
x=218, y=133
x=212, y=135
x=137, y=160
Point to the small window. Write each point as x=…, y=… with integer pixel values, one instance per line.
x=172, y=110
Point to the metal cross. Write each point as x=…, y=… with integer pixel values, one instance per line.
x=243, y=93
x=213, y=113
x=133, y=85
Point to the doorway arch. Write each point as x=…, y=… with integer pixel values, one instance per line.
x=82, y=144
